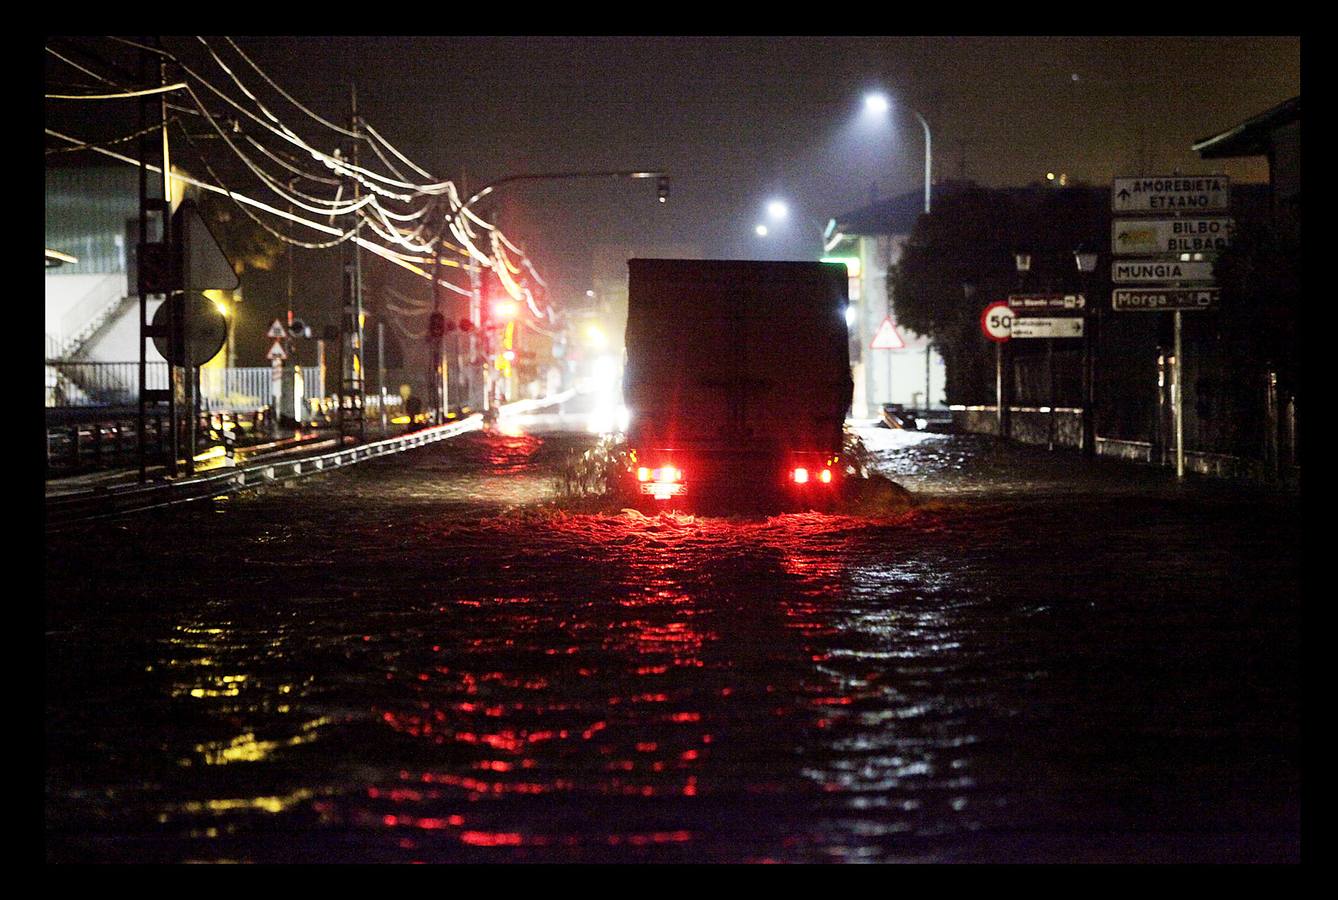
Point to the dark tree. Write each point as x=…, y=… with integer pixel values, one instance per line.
x=961, y=258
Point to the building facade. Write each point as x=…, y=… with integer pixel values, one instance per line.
x=889, y=363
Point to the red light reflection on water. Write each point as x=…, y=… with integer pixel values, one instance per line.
x=509, y=452
x=604, y=697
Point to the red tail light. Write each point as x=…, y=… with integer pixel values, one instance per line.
x=668, y=475
x=643, y=474
x=826, y=476
x=800, y=475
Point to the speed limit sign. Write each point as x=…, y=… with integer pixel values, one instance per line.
x=997, y=321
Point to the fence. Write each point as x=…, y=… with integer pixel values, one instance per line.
x=99, y=383
x=235, y=389
x=94, y=384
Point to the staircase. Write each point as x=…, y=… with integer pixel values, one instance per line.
x=104, y=301
x=87, y=318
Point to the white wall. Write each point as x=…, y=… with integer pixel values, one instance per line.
x=118, y=341
x=72, y=300
x=889, y=376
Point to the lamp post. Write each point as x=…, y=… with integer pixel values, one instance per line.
x=1086, y=263
x=662, y=192
x=878, y=104
x=1022, y=261
x=662, y=182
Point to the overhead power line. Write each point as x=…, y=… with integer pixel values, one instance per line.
x=126, y=96
x=434, y=207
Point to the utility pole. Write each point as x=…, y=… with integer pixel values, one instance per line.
x=352, y=418
x=154, y=265
x=435, y=331
x=1178, y=401
x=381, y=372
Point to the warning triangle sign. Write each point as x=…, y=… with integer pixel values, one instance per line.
x=206, y=267
x=887, y=337
x=277, y=351
x=275, y=330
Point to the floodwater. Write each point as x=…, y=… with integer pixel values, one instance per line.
x=424, y=658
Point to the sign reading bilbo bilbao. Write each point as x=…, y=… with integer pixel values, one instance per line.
x=1156, y=271
x=1156, y=299
x=1170, y=193
x=1149, y=237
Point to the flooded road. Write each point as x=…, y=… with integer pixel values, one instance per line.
x=424, y=657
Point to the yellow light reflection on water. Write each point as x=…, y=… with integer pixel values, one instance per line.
x=245, y=747
x=273, y=804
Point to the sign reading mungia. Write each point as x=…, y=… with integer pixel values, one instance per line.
x=1170, y=193
x=1149, y=237
x=1155, y=299
x=1144, y=271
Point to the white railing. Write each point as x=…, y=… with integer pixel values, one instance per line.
x=235, y=389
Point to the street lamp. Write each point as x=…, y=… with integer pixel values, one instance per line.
x=878, y=103
x=662, y=195
x=1086, y=262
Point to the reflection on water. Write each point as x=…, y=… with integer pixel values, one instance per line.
x=401, y=677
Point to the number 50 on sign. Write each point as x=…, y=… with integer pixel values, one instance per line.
x=997, y=321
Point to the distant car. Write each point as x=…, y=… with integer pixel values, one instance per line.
x=895, y=416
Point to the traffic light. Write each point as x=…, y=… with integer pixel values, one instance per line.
x=466, y=324
x=504, y=309
x=662, y=188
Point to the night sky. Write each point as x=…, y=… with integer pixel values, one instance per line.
x=738, y=121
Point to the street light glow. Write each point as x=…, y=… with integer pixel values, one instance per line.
x=761, y=230
x=777, y=209
x=877, y=103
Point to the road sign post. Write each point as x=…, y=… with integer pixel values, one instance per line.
x=1181, y=243
x=996, y=321
x=887, y=338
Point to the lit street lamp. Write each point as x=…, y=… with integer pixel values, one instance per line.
x=878, y=104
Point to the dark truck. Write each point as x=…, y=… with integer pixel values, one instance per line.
x=737, y=381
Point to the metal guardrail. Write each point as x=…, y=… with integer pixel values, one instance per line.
x=97, y=503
